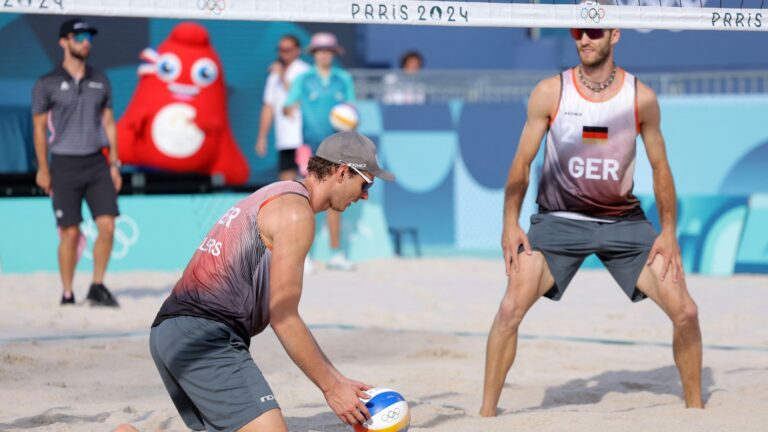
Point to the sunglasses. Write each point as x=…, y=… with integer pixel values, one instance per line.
x=368, y=182
x=593, y=34
x=82, y=37
x=286, y=49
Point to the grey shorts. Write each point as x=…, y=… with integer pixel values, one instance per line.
x=209, y=374
x=622, y=246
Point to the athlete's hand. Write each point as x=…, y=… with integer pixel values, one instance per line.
x=117, y=179
x=261, y=147
x=43, y=179
x=511, y=239
x=666, y=245
x=344, y=399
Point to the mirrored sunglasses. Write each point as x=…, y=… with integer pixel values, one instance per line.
x=593, y=34
x=82, y=37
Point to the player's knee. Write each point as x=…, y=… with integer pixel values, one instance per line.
x=688, y=314
x=106, y=226
x=510, y=315
x=70, y=234
x=125, y=428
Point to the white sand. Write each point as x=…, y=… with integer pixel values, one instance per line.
x=417, y=326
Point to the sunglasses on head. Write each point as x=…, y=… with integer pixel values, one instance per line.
x=593, y=34
x=82, y=37
x=368, y=182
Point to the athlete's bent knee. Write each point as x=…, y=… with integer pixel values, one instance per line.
x=510, y=315
x=687, y=315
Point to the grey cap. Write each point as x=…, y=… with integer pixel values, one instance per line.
x=355, y=149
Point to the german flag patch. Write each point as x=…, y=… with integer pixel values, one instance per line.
x=594, y=135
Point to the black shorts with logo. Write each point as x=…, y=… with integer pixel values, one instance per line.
x=76, y=177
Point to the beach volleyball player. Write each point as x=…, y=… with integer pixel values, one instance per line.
x=591, y=115
x=246, y=274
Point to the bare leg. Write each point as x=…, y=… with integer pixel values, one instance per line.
x=270, y=421
x=523, y=289
x=102, y=248
x=68, y=239
x=125, y=428
x=676, y=302
x=334, y=226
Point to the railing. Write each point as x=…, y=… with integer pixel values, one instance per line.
x=499, y=86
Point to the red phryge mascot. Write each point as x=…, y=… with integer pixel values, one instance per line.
x=177, y=119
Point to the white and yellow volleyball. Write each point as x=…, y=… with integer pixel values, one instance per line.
x=344, y=117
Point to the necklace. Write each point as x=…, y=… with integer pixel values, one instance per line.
x=597, y=87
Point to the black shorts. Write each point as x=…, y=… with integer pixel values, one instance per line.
x=209, y=374
x=622, y=246
x=76, y=177
x=287, y=160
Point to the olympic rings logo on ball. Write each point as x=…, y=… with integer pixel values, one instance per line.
x=215, y=7
x=593, y=14
x=391, y=415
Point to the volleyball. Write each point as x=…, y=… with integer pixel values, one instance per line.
x=389, y=412
x=344, y=117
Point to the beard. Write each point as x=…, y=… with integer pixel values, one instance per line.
x=80, y=55
x=601, y=56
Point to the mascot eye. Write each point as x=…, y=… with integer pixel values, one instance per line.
x=204, y=72
x=168, y=67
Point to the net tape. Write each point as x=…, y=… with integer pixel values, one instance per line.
x=660, y=14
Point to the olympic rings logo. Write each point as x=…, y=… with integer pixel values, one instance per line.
x=126, y=235
x=593, y=14
x=390, y=415
x=215, y=7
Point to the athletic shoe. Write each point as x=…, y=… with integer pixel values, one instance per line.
x=340, y=262
x=68, y=301
x=309, y=266
x=99, y=295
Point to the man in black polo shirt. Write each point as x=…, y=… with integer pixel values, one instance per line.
x=74, y=101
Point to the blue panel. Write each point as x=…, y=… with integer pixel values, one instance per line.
x=488, y=136
x=17, y=149
x=370, y=117
x=431, y=213
x=21, y=47
x=753, y=251
x=420, y=160
x=707, y=136
x=417, y=117
x=749, y=174
x=699, y=220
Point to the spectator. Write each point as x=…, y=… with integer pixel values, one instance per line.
x=288, y=129
x=406, y=87
x=316, y=92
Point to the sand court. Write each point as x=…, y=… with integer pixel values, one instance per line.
x=593, y=361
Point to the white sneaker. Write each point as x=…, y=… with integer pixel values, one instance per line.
x=309, y=266
x=340, y=262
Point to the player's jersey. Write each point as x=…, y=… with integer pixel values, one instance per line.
x=590, y=155
x=227, y=279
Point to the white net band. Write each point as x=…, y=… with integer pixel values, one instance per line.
x=683, y=16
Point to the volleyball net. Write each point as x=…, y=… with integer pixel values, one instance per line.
x=729, y=15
